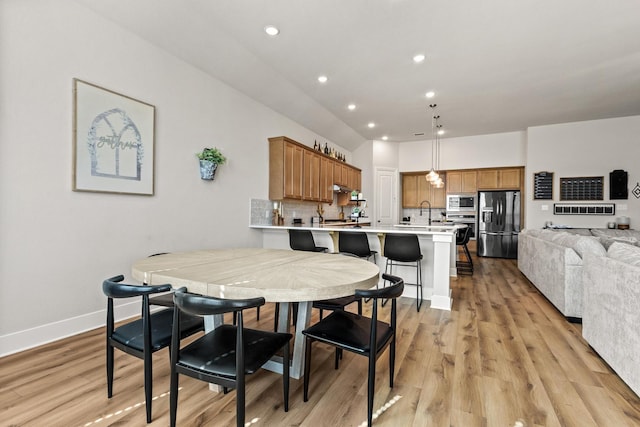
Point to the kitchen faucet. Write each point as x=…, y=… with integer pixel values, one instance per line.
x=429, y=203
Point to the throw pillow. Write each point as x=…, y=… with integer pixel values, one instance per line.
x=591, y=245
x=628, y=254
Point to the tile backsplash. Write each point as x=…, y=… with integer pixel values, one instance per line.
x=262, y=211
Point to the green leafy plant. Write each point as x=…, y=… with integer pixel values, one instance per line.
x=212, y=154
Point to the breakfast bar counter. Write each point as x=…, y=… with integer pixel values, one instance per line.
x=437, y=244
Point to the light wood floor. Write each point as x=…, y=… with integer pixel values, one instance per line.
x=502, y=354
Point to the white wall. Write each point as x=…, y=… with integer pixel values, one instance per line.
x=470, y=152
x=56, y=246
x=591, y=148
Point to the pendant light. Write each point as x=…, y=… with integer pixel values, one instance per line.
x=432, y=175
x=439, y=182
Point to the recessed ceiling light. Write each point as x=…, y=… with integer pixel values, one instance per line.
x=351, y=107
x=271, y=30
x=419, y=58
x=323, y=79
x=371, y=125
x=430, y=94
x=384, y=138
x=441, y=132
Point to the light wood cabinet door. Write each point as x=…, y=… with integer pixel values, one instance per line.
x=311, y=173
x=355, y=179
x=509, y=179
x=410, y=191
x=488, y=178
x=293, y=171
x=438, y=197
x=469, y=181
x=454, y=182
x=326, y=180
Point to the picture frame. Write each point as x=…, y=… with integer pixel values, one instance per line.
x=113, y=141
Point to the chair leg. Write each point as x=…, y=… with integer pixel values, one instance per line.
x=148, y=383
x=321, y=314
x=359, y=307
x=109, y=371
x=240, y=401
x=276, y=315
x=307, y=368
x=285, y=377
x=371, y=387
x=258, y=313
x=173, y=398
x=392, y=360
x=418, y=285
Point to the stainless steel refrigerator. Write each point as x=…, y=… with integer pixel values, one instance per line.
x=498, y=223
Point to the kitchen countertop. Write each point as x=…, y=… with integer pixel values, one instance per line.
x=398, y=228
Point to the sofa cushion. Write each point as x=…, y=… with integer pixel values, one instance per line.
x=591, y=245
x=615, y=233
x=608, y=241
x=622, y=252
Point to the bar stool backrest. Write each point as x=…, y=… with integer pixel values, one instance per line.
x=402, y=247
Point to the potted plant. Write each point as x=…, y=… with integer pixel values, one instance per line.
x=210, y=158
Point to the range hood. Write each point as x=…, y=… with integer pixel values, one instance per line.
x=341, y=189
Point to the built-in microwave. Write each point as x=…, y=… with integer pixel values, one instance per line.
x=461, y=203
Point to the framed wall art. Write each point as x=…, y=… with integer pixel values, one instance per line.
x=113, y=141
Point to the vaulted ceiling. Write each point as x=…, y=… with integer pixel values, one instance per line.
x=494, y=65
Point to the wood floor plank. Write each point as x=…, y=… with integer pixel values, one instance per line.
x=501, y=354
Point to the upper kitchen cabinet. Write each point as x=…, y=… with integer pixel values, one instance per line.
x=326, y=179
x=301, y=173
x=416, y=188
x=500, y=179
x=462, y=181
x=311, y=176
x=285, y=169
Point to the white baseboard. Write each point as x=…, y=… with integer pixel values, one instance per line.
x=34, y=337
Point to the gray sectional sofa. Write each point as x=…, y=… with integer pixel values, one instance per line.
x=593, y=275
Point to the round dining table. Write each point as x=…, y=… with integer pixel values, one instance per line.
x=278, y=275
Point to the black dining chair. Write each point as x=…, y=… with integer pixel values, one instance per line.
x=142, y=337
x=165, y=299
x=302, y=240
x=464, y=267
x=225, y=355
x=355, y=243
x=404, y=250
x=361, y=335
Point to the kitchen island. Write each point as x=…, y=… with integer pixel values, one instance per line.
x=437, y=243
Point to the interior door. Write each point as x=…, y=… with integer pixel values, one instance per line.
x=386, y=191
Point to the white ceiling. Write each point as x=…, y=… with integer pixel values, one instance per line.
x=495, y=65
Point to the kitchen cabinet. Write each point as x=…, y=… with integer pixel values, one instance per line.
x=326, y=179
x=285, y=169
x=355, y=179
x=416, y=188
x=499, y=179
x=311, y=176
x=462, y=181
x=301, y=173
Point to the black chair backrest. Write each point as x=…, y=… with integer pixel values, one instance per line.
x=112, y=288
x=301, y=240
x=463, y=235
x=354, y=243
x=392, y=291
x=199, y=305
x=402, y=247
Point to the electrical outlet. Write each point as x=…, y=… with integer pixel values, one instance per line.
x=621, y=207
x=545, y=207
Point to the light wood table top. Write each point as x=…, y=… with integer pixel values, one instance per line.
x=275, y=274
x=278, y=275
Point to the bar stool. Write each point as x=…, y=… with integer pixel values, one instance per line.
x=404, y=250
x=302, y=240
x=462, y=238
x=355, y=243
